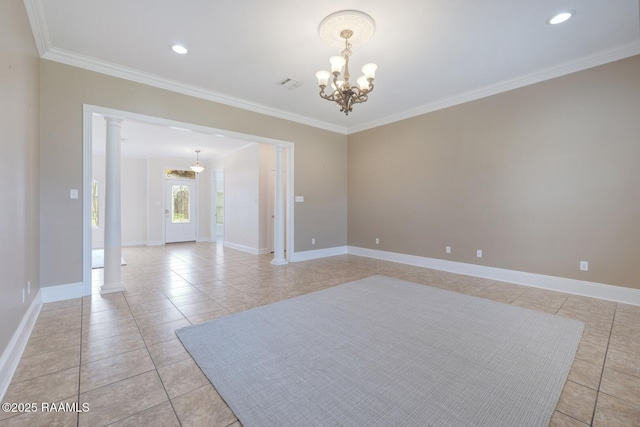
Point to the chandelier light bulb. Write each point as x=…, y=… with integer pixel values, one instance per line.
x=363, y=83
x=323, y=77
x=337, y=62
x=369, y=70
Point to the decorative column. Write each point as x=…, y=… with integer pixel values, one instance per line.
x=112, y=220
x=278, y=249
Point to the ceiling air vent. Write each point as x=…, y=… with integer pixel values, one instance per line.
x=289, y=83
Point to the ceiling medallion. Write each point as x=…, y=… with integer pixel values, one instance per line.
x=345, y=28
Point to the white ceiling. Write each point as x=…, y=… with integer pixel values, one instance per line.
x=430, y=53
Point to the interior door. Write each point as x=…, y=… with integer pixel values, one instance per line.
x=180, y=210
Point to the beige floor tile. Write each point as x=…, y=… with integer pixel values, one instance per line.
x=181, y=291
x=155, y=334
x=60, y=313
x=109, y=329
x=592, y=353
x=47, y=388
x=154, y=295
x=108, y=316
x=167, y=352
x=76, y=302
x=59, y=326
x=159, y=317
x=621, y=385
x=200, y=318
x=200, y=308
x=181, y=377
x=623, y=362
x=45, y=416
x=111, y=369
x=122, y=399
x=187, y=299
x=613, y=412
x=47, y=363
x=150, y=307
x=203, y=407
x=561, y=420
x=93, y=350
x=577, y=401
x=54, y=342
x=161, y=415
x=585, y=373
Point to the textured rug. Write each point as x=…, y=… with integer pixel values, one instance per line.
x=97, y=259
x=381, y=352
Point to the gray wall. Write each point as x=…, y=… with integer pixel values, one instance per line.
x=539, y=178
x=19, y=166
x=320, y=159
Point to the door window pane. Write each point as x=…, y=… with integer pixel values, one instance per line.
x=180, y=212
x=95, y=207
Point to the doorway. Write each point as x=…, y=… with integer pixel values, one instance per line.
x=157, y=204
x=180, y=210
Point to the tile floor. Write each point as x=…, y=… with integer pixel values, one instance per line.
x=119, y=353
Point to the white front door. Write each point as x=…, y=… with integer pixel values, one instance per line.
x=180, y=210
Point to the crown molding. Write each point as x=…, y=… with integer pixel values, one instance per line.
x=583, y=63
x=35, y=13
x=40, y=32
x=114, y=70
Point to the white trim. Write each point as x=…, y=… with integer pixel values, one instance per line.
x=205, y=240
x=580, y=64
x=11, y=355
x=134, y=243
x=38, y=23
x=87, y=230
x=89, y=109
x=62, y=292
x=318, y=253
x=154, y=243
x=561, y=284
x=243, y=248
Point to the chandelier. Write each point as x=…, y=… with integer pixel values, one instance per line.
x=351, y=25
x=197, y=168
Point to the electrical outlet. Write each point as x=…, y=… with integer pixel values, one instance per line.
x=479, y=253
x=584, y=265
x=29, y=286
x=377, y=241
x=447, y=249
x=23, y=296
x=313, y=241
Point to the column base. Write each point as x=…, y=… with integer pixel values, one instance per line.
x=280, y=261
x=111, y=288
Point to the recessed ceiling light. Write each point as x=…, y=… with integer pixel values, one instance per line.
x=561, y=17
x=179, y=49
x=219, y=135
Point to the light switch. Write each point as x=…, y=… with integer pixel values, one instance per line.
x=73, y=193
x=299, y=199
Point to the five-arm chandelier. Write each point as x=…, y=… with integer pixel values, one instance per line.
x=342, y=27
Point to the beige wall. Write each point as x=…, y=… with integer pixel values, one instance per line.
x=320, y=159
x=539, y=178
x=19, y=167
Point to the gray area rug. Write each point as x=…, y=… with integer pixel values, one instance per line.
x=382, y=352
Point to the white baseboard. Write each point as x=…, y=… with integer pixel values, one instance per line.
x=12, y=354
x=561, y=284
x=243, y=248
x=206, y=240
x=154, y=243
x=62, y=292
x=318, y=253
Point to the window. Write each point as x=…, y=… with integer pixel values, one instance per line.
x=179, y=174
x=180, y=212
x=95, y=206
x=219, y=207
